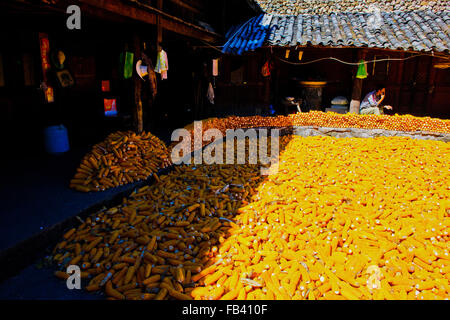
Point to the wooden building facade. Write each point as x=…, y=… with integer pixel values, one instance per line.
x=413, y=86
x=188, y=31
x=411, y=49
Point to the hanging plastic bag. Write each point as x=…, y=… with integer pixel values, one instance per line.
x=215, y=67
x=362, y=72
x=128, y=65
x=266, y=69
x=210, y=93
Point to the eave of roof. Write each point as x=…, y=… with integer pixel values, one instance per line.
x=420, y=31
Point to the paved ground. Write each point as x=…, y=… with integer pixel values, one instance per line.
x=35, y=195
x=40, y=284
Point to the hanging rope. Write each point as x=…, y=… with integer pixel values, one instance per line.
x=357, y=63
x=338, y=60
x=213, y=47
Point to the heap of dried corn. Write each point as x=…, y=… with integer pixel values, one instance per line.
x=124, y=157
x=342, y=219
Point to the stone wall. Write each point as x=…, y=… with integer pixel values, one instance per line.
x=367, y=133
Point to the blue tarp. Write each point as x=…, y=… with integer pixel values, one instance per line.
x=247, y=36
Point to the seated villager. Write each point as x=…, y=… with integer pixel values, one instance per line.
x=372, y=101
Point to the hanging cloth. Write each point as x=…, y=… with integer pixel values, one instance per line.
x=128, y=65
x=215, y=65
x=267, y=67
x=210, y=93
x=151, y=74
x=362, y=72
x=162, y=64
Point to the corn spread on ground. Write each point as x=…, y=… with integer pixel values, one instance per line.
x=342, y=219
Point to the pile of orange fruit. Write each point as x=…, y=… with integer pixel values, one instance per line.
x=396, y=122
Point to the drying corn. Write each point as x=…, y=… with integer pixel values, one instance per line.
x=342, y=219
x=154, y=245
x=124, y=157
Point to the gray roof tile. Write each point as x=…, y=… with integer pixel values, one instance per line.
x=295, y=7
x=418, y=30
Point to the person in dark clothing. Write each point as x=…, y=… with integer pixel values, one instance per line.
x=372, y=101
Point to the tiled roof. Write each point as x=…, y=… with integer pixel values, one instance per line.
x=295, y=7
x=412, y=31
x=416, y=31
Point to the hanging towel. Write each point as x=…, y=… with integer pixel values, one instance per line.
x=162, y=64
x=210, y=93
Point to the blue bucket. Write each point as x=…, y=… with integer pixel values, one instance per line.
x=56, y=139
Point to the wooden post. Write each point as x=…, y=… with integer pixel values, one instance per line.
x=266, y=92
x=357, y=87
x=431, y=87
x=399, y=82
x=159, y=29
x=138, y=115
x=413, y=86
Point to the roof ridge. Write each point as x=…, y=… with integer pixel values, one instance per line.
x=294, y=7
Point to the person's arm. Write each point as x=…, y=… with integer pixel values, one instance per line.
x=379, y=102
x=386, y=106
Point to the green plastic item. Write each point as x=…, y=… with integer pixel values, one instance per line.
x=126, y=60
x=362, y=72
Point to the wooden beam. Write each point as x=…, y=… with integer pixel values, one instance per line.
x=435, y=54
x=138, y=114
x=120, y=8
x=186, y=6
x=159, y=27
x=145, y=13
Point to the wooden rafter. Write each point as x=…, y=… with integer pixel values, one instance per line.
x=145, y=13
x=186, y=5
